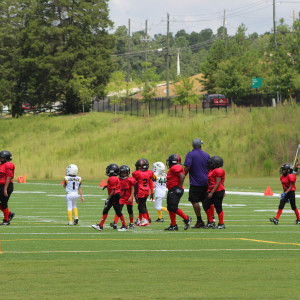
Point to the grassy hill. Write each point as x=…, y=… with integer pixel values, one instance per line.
x=252, y=143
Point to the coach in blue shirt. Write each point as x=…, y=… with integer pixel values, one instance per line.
x=196, y=166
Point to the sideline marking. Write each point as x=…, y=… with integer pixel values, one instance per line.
x=157, y=239
x=147, y=250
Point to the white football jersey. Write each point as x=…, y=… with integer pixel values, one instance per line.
x=160, y=185
x=72, y=184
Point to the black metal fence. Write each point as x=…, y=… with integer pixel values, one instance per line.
x=155, y=106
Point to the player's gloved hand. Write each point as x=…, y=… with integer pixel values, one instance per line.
x=178, y=191
x=282, y=196
x=151, y=197
x=105, y=187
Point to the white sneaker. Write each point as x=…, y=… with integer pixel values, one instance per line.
x=97, y=227
x=123, y=228
x=71, y=223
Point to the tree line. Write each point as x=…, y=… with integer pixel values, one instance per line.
x=66, y=51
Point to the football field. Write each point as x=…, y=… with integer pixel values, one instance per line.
x=44, y=258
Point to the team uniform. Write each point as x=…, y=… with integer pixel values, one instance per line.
x=7, y=170
x=160, y=193
x=175, y=192
x=113, y=188
x=72, y=184
x=125, y=191
x=288, y=182
x=216, y=194
x=144, y=181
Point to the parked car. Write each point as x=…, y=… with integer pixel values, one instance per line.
x=27, y=106
x=215, y=100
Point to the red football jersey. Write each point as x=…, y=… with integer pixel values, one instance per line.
x=211, y=180
x=173, y=176
x=113, y=182
x=6, y=170
x=125, y=187
x=145, y=182
x=285, y=181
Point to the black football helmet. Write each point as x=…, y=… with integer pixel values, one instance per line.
x=286, y=169
x=215, y=162
x=124, y=169
x=112, y=170
x=6, y=155
x=173, y=159
x=142, y=164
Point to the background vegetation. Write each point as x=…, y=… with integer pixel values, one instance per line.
x=252, y=143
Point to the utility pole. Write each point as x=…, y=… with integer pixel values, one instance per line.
x=224, y=26
x=168, y=28
x=146, y=57
x=128, y=59
x=275, y=48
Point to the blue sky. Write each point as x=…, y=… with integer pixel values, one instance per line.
x=196, y=15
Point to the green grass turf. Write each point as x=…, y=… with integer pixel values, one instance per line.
x=43, y=258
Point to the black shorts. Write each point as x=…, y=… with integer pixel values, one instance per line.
x=197, y=193
x=173, y=199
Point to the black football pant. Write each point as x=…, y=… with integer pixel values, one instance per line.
x=289, y=196
x=113, y=202
x=216, y=200
x=4, y=199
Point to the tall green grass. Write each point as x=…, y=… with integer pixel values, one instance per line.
x=252, y=143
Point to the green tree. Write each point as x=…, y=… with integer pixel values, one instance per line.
x=184, y=93
x=57, y=41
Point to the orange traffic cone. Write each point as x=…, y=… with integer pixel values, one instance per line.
x=21, y=179
x=268, y=192
x=103, y=183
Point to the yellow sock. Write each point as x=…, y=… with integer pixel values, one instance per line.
x=159, y=213
x=70, y=215
x=164, y=209
x=75, y=212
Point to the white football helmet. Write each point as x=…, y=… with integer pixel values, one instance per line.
x=72, y=170
x=158, y=167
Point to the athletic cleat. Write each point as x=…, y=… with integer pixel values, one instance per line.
x=131, y=226
x=220, y=226
x=199, y=225
x=97, y=227
x=123, y=228
x=75, y=221
x=159, y=220
x=187, y=223
x=149, y=220
x=10, y=216
x=5, y=222
x=113, y=225
x=274, y=220
x=145, y=223
x=210, y=225
x=297, y=222
x=137, y=222
x=70, y=223
x=172, y=228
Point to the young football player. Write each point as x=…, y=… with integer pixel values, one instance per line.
x=215, y=192
x=160, y=188
x=7, y=173
x=72, y=184
x=175, y=179
x=288, y=181
x=113, y=189
x=144, y=178
x=127, y=184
